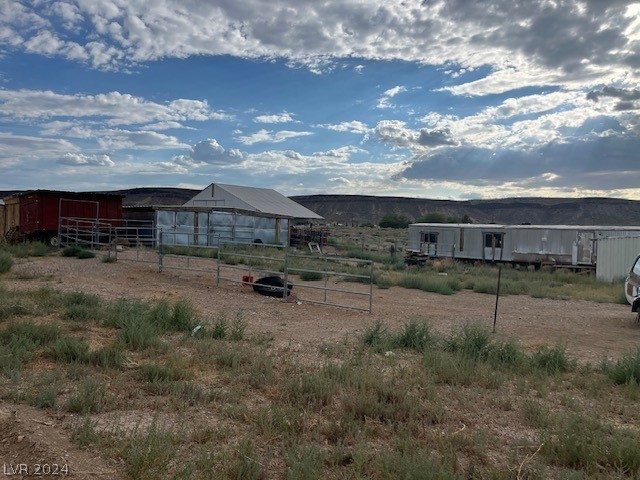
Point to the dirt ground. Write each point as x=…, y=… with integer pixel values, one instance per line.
x=589, y=330
x=31, y=436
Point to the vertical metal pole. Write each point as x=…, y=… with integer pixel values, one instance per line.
x=109, y=244
x=285, y=290
x=495, y=313
x=218, y=266
x=371, y=288
x=326, y=269
x=160, y=252
x=115, y=245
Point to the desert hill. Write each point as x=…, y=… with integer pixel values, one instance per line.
x=356, y=209
x=359, y=209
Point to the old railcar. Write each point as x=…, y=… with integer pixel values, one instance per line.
x=35, y=215
x=560, y=245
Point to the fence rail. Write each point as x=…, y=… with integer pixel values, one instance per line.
x=229, y=260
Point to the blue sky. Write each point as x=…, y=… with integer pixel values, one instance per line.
x=433, y=98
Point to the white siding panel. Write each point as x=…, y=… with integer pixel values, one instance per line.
x=615, y=255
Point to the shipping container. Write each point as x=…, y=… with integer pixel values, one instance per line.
x=35, y=215
x=537, y=245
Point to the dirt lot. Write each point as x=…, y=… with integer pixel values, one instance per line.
x=589, y=330
x=29, y=435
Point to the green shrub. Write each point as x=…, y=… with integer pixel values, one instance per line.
x=14, y=353
x=439, y=284
x=90, y=397
x=184, y=317
x=138, y=333
x=220, y=327
x=6, y=262
x=83, y=254
x=81, y=306
x=472, y=340
x=305, y=461
x=311, y=276
x=117, y=314
x=552, y=360
x=70, y=350
x=383, y=400
x=160, y=314
x=416, y=335
x=148, y=454
x=39, y=334
x=238, y=327
x=70, y=251
x=582, y=442
x=107, y=357
x=535, y=414
x=310, y=390
x=152, y=372
x=78, y=252
x=507, y=354
x=383, y=281
x=376, y=335
x=46, y=397
x=626, y=370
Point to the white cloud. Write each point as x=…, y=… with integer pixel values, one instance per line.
x=270, y=137
x=24, y=150
x=384, y=100
x=118, y=139
x=353, y=126
x=284, y=117
x=114, y=108
x=79, y=159
x=558, y=42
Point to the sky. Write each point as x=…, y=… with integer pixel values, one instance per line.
x=451, y=99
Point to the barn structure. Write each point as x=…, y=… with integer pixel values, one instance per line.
x=231, y=213
x=559, y=245
x=35, y=214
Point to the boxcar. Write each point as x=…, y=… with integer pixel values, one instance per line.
x=35, y=215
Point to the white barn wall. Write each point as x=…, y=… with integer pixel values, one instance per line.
x=615, y=255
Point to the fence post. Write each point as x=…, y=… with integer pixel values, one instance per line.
x=160, y=252
x=326, y=269
x=218, y=266
x=115, y=244
x=285, y=290
x=371, y=288
x=495, y=313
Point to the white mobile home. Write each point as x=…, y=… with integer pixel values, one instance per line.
x=526, y=244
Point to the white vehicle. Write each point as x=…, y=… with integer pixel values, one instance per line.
x=632, y=287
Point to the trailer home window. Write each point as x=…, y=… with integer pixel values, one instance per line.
x=493, y=240
x=430, y=237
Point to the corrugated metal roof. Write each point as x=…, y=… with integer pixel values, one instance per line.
x=266, y=200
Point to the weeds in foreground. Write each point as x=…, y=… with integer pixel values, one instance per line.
x=6, y=262
x=626, y=370
x=90, y=397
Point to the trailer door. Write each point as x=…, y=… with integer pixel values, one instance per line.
x=585, y=248
x=493, y=244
